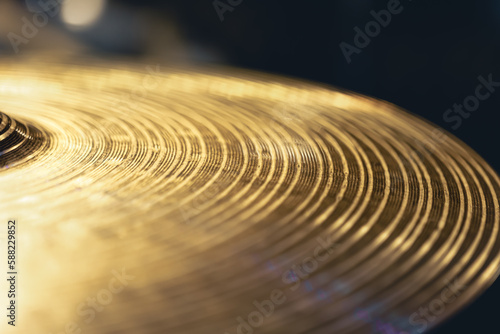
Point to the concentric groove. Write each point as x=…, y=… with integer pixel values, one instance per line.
x=18, y=142
x=211, y=186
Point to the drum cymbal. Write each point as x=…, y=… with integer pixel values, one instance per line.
x=158, y=200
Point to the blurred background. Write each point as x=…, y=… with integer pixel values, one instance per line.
x=426, y=59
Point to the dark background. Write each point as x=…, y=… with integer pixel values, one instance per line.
x=428, y=58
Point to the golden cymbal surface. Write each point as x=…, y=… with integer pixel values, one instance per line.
x=154, y=200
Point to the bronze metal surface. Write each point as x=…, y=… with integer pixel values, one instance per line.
x=216, y=189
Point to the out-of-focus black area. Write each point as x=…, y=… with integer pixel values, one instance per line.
x=428, y=58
